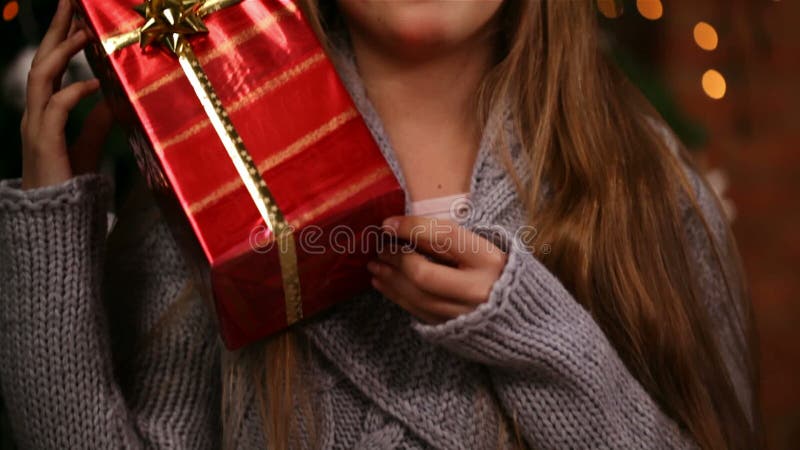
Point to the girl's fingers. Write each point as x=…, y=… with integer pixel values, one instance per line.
x=444, y=309
x=401, y=290
x=73, y=28
x=85, y=153
x=60, y=104
x=400, y=294
x=444, y=239
x=58, y=30
x=43, y=74
x=437, y=279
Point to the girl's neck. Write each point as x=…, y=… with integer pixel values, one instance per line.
x=427, y=106
x=441, y=85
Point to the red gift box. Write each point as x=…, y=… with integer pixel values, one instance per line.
x=260, y=161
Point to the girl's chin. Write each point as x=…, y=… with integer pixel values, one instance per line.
x=419, y=26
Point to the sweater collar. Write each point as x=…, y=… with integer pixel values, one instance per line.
x=371, y=341
x=489, y=175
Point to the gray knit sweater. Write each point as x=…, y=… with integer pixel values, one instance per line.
x=69, y=295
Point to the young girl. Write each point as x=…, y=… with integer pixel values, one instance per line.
x=619, y=320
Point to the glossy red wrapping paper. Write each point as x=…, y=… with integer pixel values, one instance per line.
x=299, y=125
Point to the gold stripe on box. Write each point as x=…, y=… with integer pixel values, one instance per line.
x=267, y=87
x=224, y=47
x=171, y=23
x=294, y=148
x=341, y=196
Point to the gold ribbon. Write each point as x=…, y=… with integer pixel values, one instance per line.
x=170, y=23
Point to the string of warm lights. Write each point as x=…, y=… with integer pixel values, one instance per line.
x=705, y=36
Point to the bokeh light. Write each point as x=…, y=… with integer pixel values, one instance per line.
x=650, y=9
x=714, y=84
x=10, y=10
x=609, y=8
x=705, y=36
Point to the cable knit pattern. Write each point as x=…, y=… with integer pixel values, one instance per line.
x=104, y=345
x=545, y=349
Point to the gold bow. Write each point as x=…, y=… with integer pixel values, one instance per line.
x=170, y=23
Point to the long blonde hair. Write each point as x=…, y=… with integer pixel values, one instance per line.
x=586, y=131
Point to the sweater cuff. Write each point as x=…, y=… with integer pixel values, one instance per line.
x=529, y=322
x=46, y=235
x=60, y=207
x=482, y=334
x=83, y=189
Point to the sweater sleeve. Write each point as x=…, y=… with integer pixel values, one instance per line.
x=552, y=365
x=57, y=375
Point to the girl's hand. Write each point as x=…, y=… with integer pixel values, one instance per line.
x=444, y=271
x=45, y=159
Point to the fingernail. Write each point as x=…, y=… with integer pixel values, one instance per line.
x=391, y=224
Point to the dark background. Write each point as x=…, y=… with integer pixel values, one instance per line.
x=747, y=141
